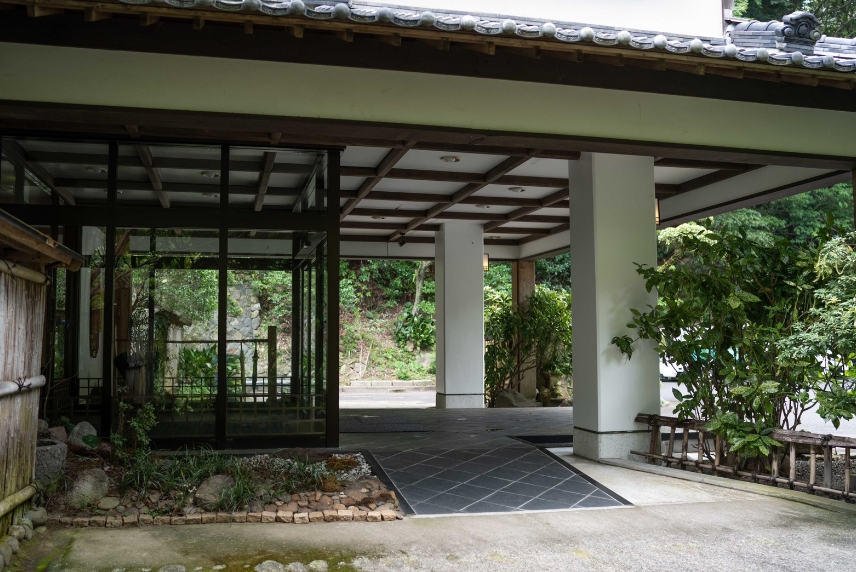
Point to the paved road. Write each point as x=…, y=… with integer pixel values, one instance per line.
x=380, y=400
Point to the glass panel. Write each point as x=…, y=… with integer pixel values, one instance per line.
x=274, y=334
x=277, y=178
x=166, y=327
x=169, y=175
x=33, y=169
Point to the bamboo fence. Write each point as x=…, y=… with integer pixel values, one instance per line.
x=713, y=458
x=22, y=315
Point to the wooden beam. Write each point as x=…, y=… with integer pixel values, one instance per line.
x=17, y=155
x=148, y=19
x=198, y=22
x=93, y=15
x=488, y=48
x=495, y=174
x=550, y=232
x=35, y=11
x=420, y=239
x=455, y=177
x=167, y=162
x=148, y=162
x=837, y=84
x=381, y=171
x=711, y=178
x=345, y=35
x=243, y=190
x=296, y=31
x=398, y=213
x=521, y=213
x=609, y=59
x=309, y=185
x=264, y=179
x=699, y=164
x=391, y=39
x=248, y=28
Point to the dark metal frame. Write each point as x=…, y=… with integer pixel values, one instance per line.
x=112, y=216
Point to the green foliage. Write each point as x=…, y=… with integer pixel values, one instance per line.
x=273, y=287
x=498, y=277
x=554, y=272
x=748, y=322
x=378, y=284
x=416, y=329
x=539, y=335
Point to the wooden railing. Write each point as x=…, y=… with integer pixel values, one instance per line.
x=712, y=458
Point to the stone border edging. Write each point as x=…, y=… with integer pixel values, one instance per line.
x=766, y=490
x=225, y=517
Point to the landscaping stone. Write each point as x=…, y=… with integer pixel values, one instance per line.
x=38, y=516
x=17, y=532
x=301, y=518
x=318, y=566
x=330, y=515
x=50, y=460
x=388, y=515
x=80, y=431
x=161, y=520
x=90, y=486
x=42, y=429
x=268, y=516
x=5, y=551
x=146, y=519
x=209, y=517
x=284, y=516
x=344, y=515
x=254, y=517
x=374, y=516
x=172, y=568
x=175, y=520
x=239, y=516
x=58, y=434
x=296, y=567
x=513, y=398
x=80, y=522
x=316, y=516
x=211, y=489
x=360, y=516
x=194, y=518
x=12, y=543
x=97, y=521
x=108, y=503
x=130, y=520
x=223, y=517
x=114, y=522
x=270, y=566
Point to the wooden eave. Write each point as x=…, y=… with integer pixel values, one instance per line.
x=442, y=40
x=22, y=243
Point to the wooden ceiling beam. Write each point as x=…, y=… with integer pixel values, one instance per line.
x=154, y=176
x=495, y=174
x=457, y=177
x=711, y=178
x=381, y=171
x=264, y=179
x=521, y=213
x=550, y=232
x=182, y=188
x=60, y=158
x=18, y=156
x=699, y=164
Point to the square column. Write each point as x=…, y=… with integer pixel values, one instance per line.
x=612, y=229
x=522, y=286
x=459, y=274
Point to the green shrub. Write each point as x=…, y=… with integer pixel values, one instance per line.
x=416, y=328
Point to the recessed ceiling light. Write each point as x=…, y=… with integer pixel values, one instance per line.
x=494, y=237
x=517, y=189
x=450, y=159
x=482, y=206
x=97, y=170
x=378, y=217
x=210, y=174
x=210, y=195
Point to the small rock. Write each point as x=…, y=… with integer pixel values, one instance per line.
x=219, y=567
x=17, y=532
x=315, y=516
x=108, y=503
x=90, y=486
x=269, y=516
x=374, y=516
x=12, y=543
x=301, y=518
x=5, y=551
x=80, y=431
x=42, y=429
x=388, y=515
x=270, y=566
x=296, y=567
x=284, y=516
x=172, y=568
x=318, y=566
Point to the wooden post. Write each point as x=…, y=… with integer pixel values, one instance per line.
x=671, y=449
x=700, y=456
x=827, y=467
x=813, y=467
x=775, y=469
x=853, y=179
x=846, y=472
x=271, y=364
x=793, y=472
x=685, y=444
x=656, y=447
x=717, y=460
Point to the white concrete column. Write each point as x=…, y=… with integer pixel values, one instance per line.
x=459, y=298
x=612, y=227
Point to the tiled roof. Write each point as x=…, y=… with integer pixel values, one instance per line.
x=796, y=41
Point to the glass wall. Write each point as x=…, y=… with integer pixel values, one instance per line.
x=207, y=272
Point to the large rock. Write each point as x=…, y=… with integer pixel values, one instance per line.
x=80, y=431
x=50, y=460
x=38, y=516
x=42, y=428
x=512, y=398
x=211, y=490
x=89, y=487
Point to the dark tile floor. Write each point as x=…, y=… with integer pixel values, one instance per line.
x=469, y=464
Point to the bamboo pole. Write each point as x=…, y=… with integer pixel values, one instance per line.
x=827, y=467
x=813, y=465
x=22, y=272
x=16, y=499
x=847, y=471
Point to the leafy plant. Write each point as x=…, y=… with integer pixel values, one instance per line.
x=416, y=328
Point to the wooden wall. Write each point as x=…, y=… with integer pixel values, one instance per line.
x=22, y=316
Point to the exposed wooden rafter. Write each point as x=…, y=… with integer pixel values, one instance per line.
x=382, y=170
x=147, y=160
x=18, y=156
x=264, y=179
x=523, y=212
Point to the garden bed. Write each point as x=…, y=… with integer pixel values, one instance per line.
x=200, y=487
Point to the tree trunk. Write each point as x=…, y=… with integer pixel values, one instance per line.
x=420, y=281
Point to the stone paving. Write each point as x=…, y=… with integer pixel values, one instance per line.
x=469, y=462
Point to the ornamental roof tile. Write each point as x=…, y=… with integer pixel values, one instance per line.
x=795, y=41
